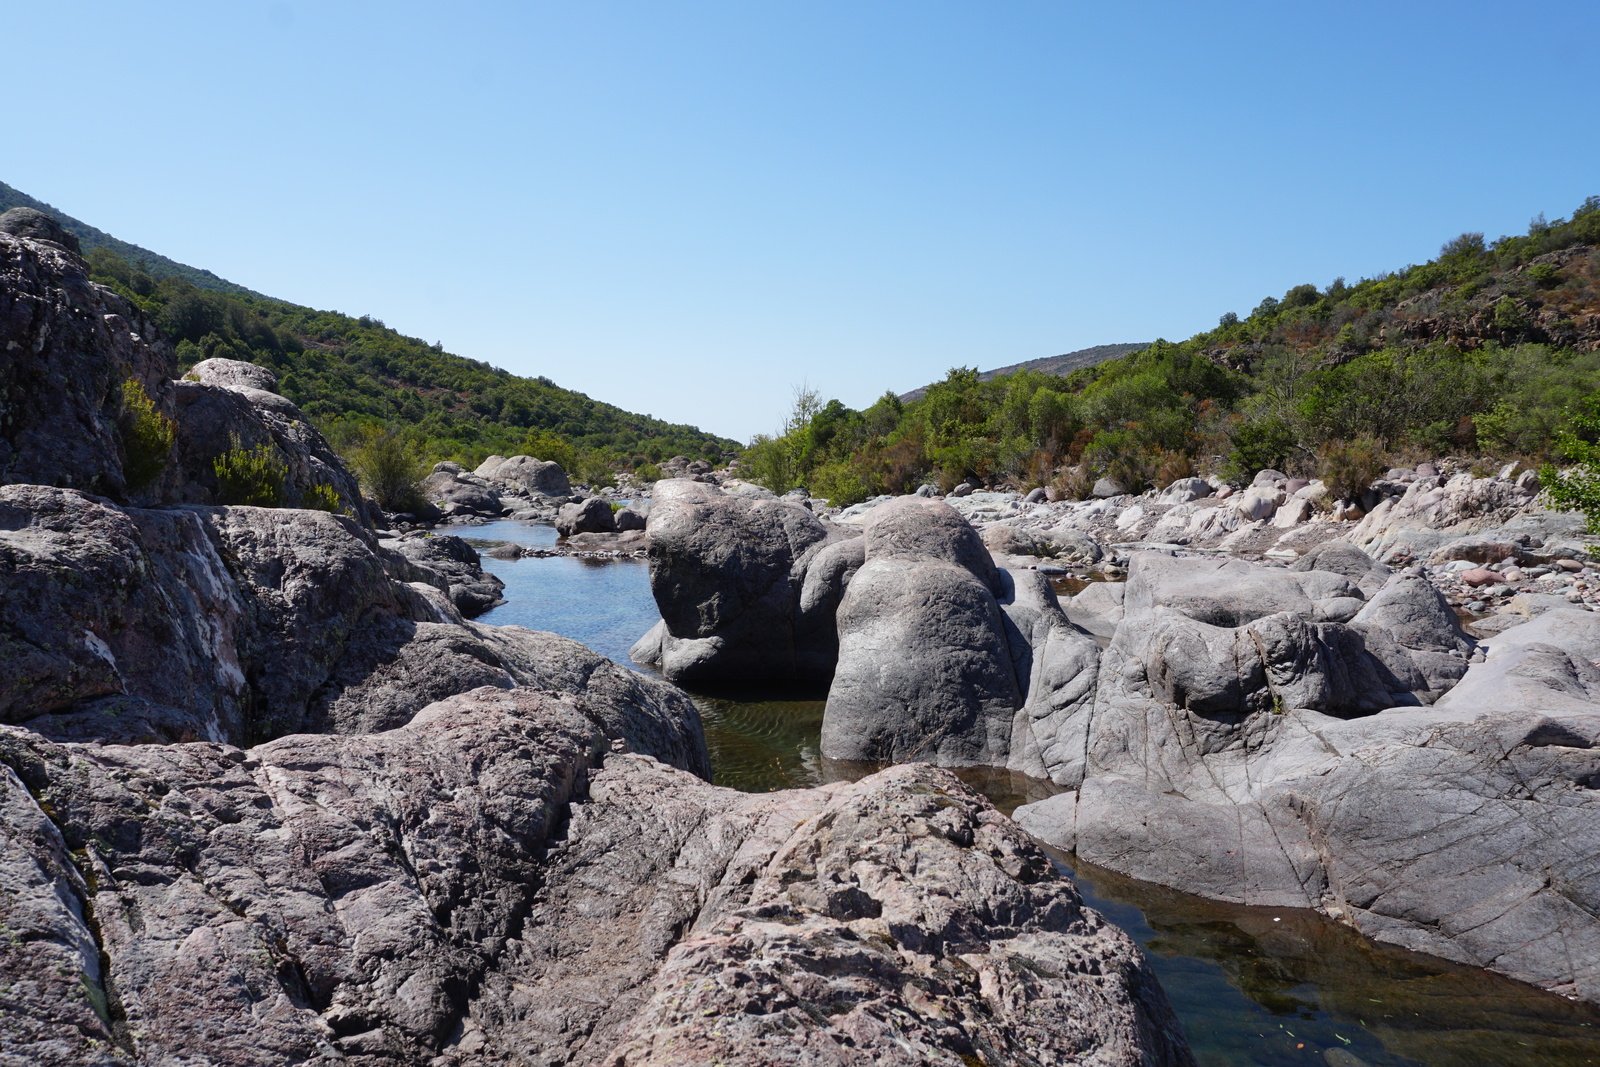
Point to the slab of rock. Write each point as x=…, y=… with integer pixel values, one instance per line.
x=457, y=493
x=492, y=883
x=1226, y=762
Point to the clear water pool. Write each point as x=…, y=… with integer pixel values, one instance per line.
x=1254, y=987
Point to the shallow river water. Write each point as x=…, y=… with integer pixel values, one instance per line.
x=1252, y=986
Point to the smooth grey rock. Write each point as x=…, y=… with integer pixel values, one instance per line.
x=1106, y=488
x=925, y=672
x=629, y=519
x=592, y=515
x=1184, y=490
x=526, y=472
x=1338, y=557
x=1097, y=608
x=727, y=574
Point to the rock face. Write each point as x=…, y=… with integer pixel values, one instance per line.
x=747, y=587
x=1248, y=773
x=491, y=884
x=592, y=515
x=471, y=589
x=67, y=346
x=239, y=624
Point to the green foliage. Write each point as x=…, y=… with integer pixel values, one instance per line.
x=1261, y=445
x=1508, y=315
x=647, y=472
x=1348, y=468
x=388, y=465
x=1577, y=488
x=322, y=498
x=250, y=476
x=356, y=372
x=147, y=436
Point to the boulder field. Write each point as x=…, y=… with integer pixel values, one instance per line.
x=1322, y=734
x=268, y=795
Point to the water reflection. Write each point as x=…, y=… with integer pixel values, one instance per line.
x=1254, y=987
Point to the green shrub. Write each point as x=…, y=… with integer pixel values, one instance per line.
x=1543, y=274
x=250, y=476
x=388, y=468
x=594, y=471
x=1348, y=468
x=147, y=436
x=1578, y=487
x=647, y=472
x=322, y=498
x=840, y=483
x=1507, y=315
x=1264, y=445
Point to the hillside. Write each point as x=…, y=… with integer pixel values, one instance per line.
x=354, y=375
x=155, y=264
x=1058, y=365
x=1489, y=351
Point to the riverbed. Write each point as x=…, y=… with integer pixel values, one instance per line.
x=1261, y=987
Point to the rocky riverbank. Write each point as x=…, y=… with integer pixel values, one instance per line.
x=269, y=795
x=1309, y=729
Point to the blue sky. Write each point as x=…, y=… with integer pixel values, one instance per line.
x=687, y=208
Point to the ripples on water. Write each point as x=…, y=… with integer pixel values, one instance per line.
x=1253, y=986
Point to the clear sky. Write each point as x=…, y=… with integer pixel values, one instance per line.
x=686, y=208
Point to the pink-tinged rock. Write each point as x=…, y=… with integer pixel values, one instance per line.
x=1480, y=576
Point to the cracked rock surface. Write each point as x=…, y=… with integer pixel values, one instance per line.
x=492, y=884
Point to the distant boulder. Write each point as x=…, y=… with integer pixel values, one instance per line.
x=588, y=516
x=526, y=472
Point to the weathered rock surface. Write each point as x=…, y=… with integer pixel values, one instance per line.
x=66, y=348
x=1261, y=764
x=730, y=574
x=455, y=492
x=592, y=515
x=224, y=404
x=240, y=624
x=445, y=556
x=492, y=884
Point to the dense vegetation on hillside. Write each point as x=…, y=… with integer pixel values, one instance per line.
x=355, y=377
x=1483, y=351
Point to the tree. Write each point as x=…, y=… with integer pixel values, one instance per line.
x=1577, y=488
